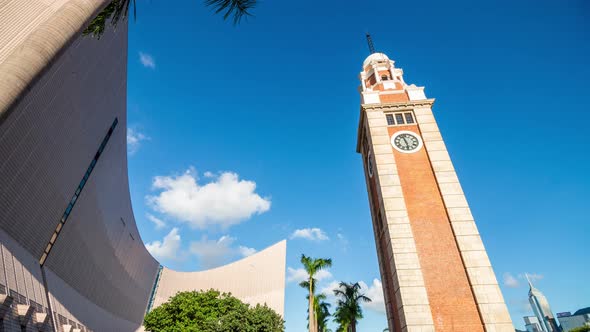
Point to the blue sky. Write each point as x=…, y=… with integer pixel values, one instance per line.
x=243, y=135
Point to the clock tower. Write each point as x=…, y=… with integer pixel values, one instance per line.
x=434, y=268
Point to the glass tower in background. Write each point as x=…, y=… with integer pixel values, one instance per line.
x=542, y=309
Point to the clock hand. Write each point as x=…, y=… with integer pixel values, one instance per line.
x=406, y=141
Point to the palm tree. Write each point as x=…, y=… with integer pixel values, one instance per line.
x=306, y=285
x=120, y=8
x=321, y=307
x=342, y=320
x=349, y=309
x=312, y=266
x=322, y=313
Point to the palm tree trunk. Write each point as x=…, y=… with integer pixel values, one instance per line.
x=311, y=324
x=353, y=325
x=315, y=321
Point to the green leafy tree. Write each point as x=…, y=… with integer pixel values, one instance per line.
x=348, y=310
x=211, y=311
x=581, y=329
x=341, y=320
x=118, y=9
x=312, y=266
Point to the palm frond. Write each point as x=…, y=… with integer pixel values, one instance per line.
x=306, y=261
x=348, y=310
x=118, y=9
x=305, y=284
x=322, y=263
x=237, y=8
x=339, y=292
x=114, y=11
x=364, y=298
x=320, y=297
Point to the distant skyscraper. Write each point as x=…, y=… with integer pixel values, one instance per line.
x=542, y=309
x=570, y=322
x=532, y=324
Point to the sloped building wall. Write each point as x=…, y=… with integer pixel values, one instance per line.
x=98, y=272
x=71, y=255
x=259, y=278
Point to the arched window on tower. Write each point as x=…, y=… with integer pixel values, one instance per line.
x=385, y=77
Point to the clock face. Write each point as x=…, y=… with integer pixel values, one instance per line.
x=406, y=141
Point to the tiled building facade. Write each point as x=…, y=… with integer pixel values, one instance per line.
x=71, y=255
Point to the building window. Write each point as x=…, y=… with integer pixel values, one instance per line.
x=36, y=306
x=400, y=118
x=384, y=78
x=379, y=222
x=370, y=164
x=154, y=288
x=78, y=191
x=17, y=297
x=390, y=120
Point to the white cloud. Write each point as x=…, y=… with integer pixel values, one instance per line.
x=213, y=253
x=375, y=293
x=343, y=241
x=167, y=248
x=323, y=275
x=533, y=276
x=313, y=234
x=520, y=305
x=299, y=275
x=296, y=275
x=245, y=251
x=134, y=140
x=208, y=174
x=147, y=60
x=328, y=290
x=224, y=201
x=159, y=223
x=510, y=280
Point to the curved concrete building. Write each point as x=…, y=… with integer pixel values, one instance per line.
x=71, y=257
x=267, y=265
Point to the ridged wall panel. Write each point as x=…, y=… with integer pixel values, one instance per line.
x=74, y=306
x=24, y=277
x=46, y=144
x=259, y=278
x=99, y=275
